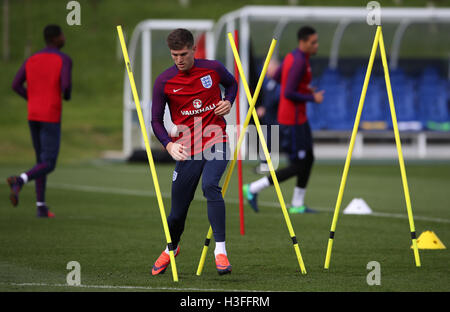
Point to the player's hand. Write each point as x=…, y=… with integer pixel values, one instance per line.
x=318, y=96
x=222, y=108
x=261, y=111
x=177, y=151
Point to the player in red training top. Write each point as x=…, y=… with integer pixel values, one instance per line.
x=47, y=74
x=295, y=77
x=199, y=144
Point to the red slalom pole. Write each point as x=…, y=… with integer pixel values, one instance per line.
x=239, y=161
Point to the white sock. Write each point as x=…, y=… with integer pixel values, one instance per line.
x=40, y=204
x=220, y=249
x=259, y=185
x=168, y=252
x=24, y=177
x=298, y=196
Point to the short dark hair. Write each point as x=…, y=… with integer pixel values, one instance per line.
x=180, y=38
x=304, y=32
x=51, y=32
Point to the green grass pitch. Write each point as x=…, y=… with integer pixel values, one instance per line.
x=107, y=216
x=108, y=220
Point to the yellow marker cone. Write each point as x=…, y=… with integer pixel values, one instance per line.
x=429, y=240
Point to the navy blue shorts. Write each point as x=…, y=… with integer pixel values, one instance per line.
x=46, y=137
x=296, y=140
x=185, y=179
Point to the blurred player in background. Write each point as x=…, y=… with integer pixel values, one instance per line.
x=267, y=111
x=47, y=74
x=295, y=77
x=200, y=144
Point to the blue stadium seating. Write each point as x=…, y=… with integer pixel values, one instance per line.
x=432, y=101
x=315, y=116
x=334, y=110
x=429, y=76
x=397, y=78
x=373, y=109
x=404, y=101
x=314, y=112
x=424, y=98
x=330, y=76
x=335, y=106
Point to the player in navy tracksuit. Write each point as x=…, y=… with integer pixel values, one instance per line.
x=47, y=74
x=191, y=90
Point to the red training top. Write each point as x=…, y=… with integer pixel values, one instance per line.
x=294, y=76
x=48, y=74
x=192, y=97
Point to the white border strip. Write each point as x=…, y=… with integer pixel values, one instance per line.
x=121, y=191
x=150, y=193
x=132, y=287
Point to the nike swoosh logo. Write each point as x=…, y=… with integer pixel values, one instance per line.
x=155, y=268
x=176, y=90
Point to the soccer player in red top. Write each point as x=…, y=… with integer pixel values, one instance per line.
x=295, y=77
x=47, y=74
x=199, y=144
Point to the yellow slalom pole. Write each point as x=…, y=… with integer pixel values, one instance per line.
x=279, y=194
x=149, y=154
x=269, y=160
x=399, y=150
x=241, y=137
x=267, y=155
x=350, y=149
x=252, y=100
x=266, y=152
x=201, y=264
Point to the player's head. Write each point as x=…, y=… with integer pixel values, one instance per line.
x=54, y=36
x=182, y=48
x=308, y=40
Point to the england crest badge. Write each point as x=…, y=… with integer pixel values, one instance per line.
x=175, y=175
x=206, y=81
